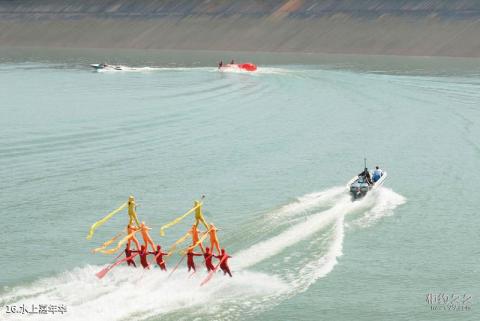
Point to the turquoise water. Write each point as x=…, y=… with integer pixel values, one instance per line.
x=272, y=152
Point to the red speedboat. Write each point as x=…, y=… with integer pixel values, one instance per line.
x=248, y=66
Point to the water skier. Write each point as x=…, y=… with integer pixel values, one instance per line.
x=190, y=262
x=224, y=262
x=159, y=258
x=208, y=255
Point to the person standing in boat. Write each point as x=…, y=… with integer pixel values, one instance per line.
x=366, y=175
x=377, y=174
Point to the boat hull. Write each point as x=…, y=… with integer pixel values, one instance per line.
x=99, y=67
x=358, y=189
x=243, y=67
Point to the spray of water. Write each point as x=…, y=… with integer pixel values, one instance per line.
x=149, y=294
x=259, y=71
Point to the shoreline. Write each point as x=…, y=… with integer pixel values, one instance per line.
x=421, y=28
x=239, y=52
x=334, y=35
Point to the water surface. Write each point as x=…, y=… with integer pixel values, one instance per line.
x=272, y=152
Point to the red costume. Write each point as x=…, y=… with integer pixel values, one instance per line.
x=224, y=262
x=208, y=259
x=159, y=258
x=190, y=262
x=128, y=254
x=143, y=257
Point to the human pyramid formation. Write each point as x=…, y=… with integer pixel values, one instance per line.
x=142, y=250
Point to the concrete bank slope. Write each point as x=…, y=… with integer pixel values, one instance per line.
x=387, y=27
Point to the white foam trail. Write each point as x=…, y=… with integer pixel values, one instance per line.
x=125, y=69
x=377, y=204
x=275, y=70
x=308, y=202
x=316, y=269
x=386, y=201
x=151, y=69
x=134, y=293
x=294, y=234
x=127, y=293
x=235, y=70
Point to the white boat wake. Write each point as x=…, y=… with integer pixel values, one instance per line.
x=125, y=68
x=269, y=271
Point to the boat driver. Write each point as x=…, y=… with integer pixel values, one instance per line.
x=366, y=174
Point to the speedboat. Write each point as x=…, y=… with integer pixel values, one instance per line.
x=248, y=66
x=105, y=67
x=359, y=187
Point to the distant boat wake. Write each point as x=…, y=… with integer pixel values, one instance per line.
x=301, y=243
x=125, y=68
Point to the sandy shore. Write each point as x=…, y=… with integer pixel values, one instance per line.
x=417, y=28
